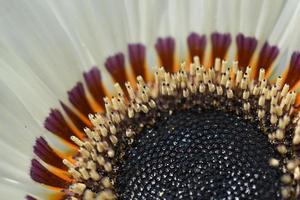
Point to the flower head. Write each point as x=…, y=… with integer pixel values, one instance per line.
x=150, y=100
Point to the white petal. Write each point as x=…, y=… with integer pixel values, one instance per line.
x=289, y=11
x=267, y=18
x=228, y=14
x=12, y=192
x=45, y=46
x=41, y=43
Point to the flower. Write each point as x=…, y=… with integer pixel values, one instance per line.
x=59, y=60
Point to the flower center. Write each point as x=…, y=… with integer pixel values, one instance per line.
x=204, y=129
x=201, y=155
x=196, y=133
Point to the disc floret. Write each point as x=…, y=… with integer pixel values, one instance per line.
x=224, y=86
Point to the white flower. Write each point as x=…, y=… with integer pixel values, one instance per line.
x=46, y=46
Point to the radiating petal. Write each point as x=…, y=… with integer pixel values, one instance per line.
x=46, y=46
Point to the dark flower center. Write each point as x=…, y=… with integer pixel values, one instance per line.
x=199, y=155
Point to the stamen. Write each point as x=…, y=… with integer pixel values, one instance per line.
x=165, y=48
x=78, y=98
x=78, y=123
x=196, y=44
x=56, y=124
x=115, y=65
x=245, y=49
x=220, y=45
x=30, y=198
x=47, y=154
x=137, y=58
x=94, y=84
x=41, y=174
x=267, y=56
x=293, y=72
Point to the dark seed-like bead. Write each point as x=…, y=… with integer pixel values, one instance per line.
x=199, y=155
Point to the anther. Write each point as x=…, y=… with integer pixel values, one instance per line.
x=274, y=162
